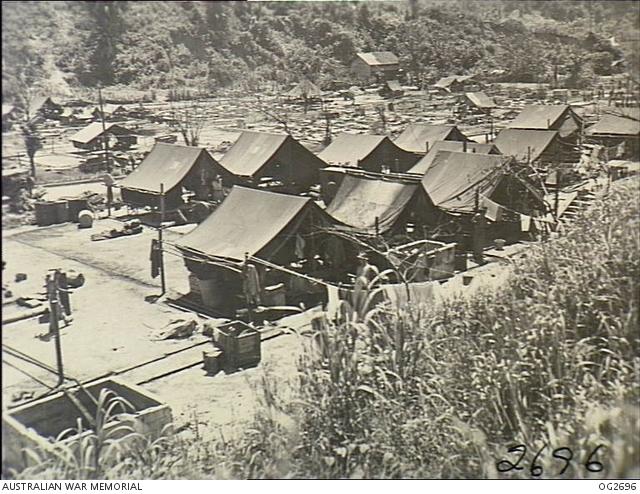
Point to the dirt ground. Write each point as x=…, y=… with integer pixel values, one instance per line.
x=113, y=328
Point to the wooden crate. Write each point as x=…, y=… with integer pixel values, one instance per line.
x=240, y=344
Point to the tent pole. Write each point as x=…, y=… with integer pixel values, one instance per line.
x=160, y=253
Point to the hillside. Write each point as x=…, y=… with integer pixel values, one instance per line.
x=215, y=45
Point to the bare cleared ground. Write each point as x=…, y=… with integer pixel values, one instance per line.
x=114, y=327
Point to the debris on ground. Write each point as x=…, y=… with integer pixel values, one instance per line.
x=130, y=228
x=74, y=279
x=178, y=329
x=29, y=302
x=21, y=277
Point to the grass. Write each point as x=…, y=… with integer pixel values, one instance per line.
x=549, y=361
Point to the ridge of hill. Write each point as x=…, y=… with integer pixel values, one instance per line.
x=213, y=45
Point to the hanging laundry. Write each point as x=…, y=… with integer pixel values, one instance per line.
x=525, y=223
x=494, y=210
x=251, y=284
x=419, y=293
x=443, y=264
x=333, y=300
x=300, y=243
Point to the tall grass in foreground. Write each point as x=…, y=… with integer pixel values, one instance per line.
x=550, y=360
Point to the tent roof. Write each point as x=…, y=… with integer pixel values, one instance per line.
x=378, y=58
x=616, y=125
x=472, y=147
x=453, y=179
x=415, y=136
x=110, y=108
x=359, y=201
x=347, y=149
x=393, y=85
x=251, y=151
x=445, y=82
x=38, y=102
x=167, y=164
x=247, y=221
x=305, y=88
x=93, y=130
x=515, y=142
x=541, y=117
x=7, y=109
x=481, y=100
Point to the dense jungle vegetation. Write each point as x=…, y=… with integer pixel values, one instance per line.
x=217, y=45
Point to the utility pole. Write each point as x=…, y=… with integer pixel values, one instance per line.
x=163, y=282
x=104, y=132
x=54, y=327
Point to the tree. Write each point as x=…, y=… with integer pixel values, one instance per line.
x=32, y=144
x=189, y=120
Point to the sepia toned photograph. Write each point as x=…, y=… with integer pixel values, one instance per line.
x=320, y=240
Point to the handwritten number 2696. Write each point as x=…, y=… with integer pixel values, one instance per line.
x=563, y=453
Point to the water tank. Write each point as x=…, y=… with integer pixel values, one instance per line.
x=85, y=219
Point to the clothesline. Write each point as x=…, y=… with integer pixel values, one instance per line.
x=517, y=212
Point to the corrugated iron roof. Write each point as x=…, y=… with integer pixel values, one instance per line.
x=414, y=137
x=378, y=58
x=347, y=149
x=518, y=142
x=93, y=130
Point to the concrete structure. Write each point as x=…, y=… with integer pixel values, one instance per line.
x=34, y=425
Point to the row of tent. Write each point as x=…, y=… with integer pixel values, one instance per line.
x=539, y=134
x=258, y=223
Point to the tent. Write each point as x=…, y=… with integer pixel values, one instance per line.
x=253, y=222
x=305, y=89
x=90, y=137
x=259, y=154
x=391, y=89
x=619, y=132
x=415, y=137
x=174, y=167
x=369, y=152
x=616, y=125
x=453, y=179
x=469, y=147
x=533, y=145
x=359, y=201
x=109, y=110
x=480, y=100
x=452, y=82
x=548, y=117
x=44, y=106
